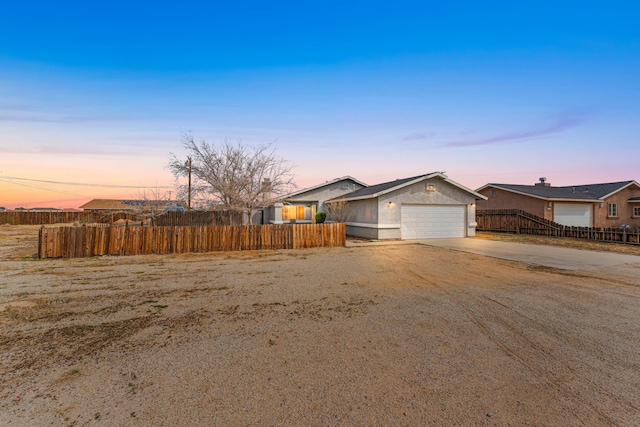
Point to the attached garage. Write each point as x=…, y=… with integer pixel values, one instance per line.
x=432, y=221
x=428, y=206
x=573, y=214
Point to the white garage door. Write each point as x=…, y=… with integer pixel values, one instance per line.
x=575, y=214
x=432, y=222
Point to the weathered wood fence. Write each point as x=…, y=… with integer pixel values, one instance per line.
x=87, y=241
x=520, y=222
x=166, y=218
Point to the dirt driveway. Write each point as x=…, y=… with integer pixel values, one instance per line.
x=394, y=335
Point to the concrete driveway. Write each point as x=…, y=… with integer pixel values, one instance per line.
x=550, y=256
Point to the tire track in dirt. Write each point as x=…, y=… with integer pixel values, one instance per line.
x=411, y=268
x=558, y=361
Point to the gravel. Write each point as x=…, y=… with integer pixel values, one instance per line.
x=391, y=335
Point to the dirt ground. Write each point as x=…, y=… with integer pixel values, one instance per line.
x=390, y=335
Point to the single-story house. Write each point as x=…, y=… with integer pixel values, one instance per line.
x=117, y=205
x=594, y=205
x=301, y=206
x=420, y=207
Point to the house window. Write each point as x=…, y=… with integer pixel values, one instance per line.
x=292, y=212
x=431, y=187
x=345, y=186
x=494, y=192
x=636, y=211
x=613, y=209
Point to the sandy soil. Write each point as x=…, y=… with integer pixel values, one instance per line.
x=392, y=335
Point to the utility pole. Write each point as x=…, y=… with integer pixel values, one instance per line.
x=189, y=197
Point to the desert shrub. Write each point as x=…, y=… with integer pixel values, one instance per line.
x=320, y=217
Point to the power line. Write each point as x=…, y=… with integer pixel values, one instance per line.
x=80, y=184
x=41, y=188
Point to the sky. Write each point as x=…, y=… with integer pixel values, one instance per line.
x=95, y=96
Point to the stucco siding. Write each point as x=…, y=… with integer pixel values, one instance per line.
x=364, y=232
x=363, y=219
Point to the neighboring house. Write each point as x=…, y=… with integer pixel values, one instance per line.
x=420, y=207
x=301, y=206
x=116, y=205
x=595, y=205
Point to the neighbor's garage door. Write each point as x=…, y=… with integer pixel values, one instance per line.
x=429, y=222
x=575, y=214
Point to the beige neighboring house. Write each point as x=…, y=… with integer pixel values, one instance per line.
x=301, y=206
x=592, y=205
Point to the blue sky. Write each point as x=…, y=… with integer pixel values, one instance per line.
x=499, y=92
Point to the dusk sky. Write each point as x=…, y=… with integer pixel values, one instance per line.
x=494, y=91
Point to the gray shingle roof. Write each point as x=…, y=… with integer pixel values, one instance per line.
x=580, y=192
x=381, y=187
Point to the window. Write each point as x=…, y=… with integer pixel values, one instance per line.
x=494, y=192
x=345, y=186
x=613, y=209
x=431, y=187
x=636, y=211
x=292, y=212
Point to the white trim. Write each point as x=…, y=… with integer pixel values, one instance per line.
x=378, y=226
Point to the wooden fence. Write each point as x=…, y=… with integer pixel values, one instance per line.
x=521, y=222
x=166, y=218
x=87, y=241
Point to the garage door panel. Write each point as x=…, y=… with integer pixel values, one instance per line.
x=573, y=214
x=432, y=221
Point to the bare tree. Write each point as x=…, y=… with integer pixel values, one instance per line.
x=235, y=177
x=151, y=203
x=146, y=207
x=338, y=210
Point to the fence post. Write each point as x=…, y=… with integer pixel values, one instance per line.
x=40, y=242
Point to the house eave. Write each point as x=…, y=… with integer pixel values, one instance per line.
x=535, y=196
x=620, y=189
x=315, y=187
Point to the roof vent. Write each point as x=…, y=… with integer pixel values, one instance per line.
x=543, y=182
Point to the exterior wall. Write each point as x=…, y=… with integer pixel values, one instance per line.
x=319, y=195
x=384, y=213
x=509, y=200
x=363, y=219
x=364, y=232
x=625, y=209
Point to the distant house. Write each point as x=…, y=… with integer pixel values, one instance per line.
x=420, y=207
x=301, y=206
x=118, y=205
x=44, y=210
x=593, y=205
